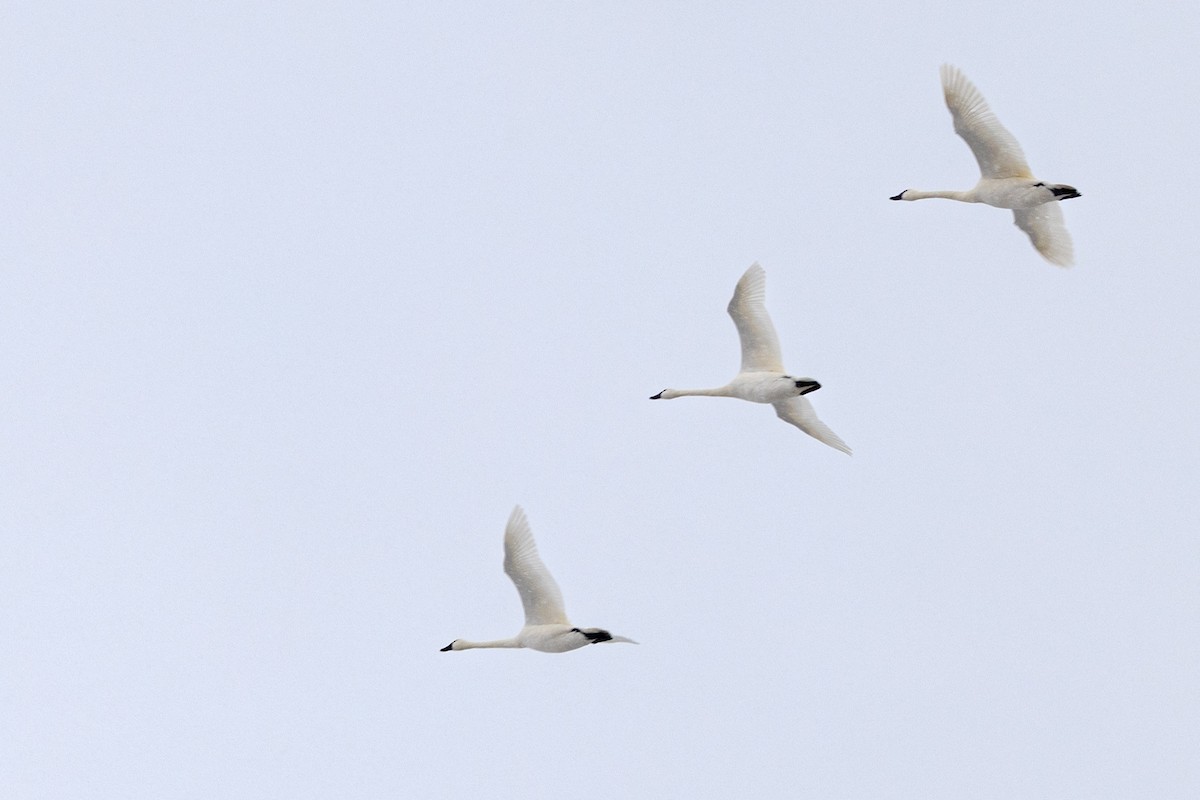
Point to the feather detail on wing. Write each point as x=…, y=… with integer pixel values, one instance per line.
x=760, y=344
x=1046, y=230
x=539, y=593
x=799, y=411
x=997, y=151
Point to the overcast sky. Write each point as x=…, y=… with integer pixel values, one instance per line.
x=299, y=300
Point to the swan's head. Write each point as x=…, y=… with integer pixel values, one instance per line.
x=449, y=647
x=804, y=385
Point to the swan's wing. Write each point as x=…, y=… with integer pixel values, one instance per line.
x=799, y=411
x=760, y=345
x=1046, y=230
x=539, y=593
x=995, y=149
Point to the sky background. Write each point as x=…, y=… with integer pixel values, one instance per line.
x=297, y=301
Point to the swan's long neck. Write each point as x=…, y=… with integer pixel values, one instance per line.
x=720, y=391
x=465, y=644
x=947, y=194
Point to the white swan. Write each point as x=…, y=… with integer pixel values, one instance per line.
x=1007, y=181
x=546, y=625
x=762, y=379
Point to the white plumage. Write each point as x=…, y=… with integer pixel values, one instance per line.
x=1006, y=180
x=546, y=625
x=762, y=378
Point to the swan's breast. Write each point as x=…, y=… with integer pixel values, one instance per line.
x=764, y=387
x=1012, y=192
x=551, y=638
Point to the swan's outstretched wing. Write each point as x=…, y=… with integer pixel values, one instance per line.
x=995, y=149
x=539, y=593
x=799, y=411
x=760, y=345
x=1046, y=230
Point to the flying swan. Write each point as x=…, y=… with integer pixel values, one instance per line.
x=1007, y=181
x=762, y=379
x=546, y=625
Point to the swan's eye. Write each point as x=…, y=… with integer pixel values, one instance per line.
x=1036, y=185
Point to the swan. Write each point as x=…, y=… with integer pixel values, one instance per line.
x=546, y=625
x=1007, y=181
x=762, y=379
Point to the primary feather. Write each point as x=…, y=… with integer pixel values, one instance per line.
x=799, y=411
x=539, y=592
x=1046, y=229
x=997, y=151
x=748, y=307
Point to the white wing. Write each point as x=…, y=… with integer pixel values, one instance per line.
x=760, y=345
x=1046, y=230
x=539, y=593
x=799, y=411
x=995, y=149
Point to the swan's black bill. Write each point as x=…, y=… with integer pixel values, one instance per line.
x=807, y=386
x=448, y=647
x=658, y=396
x=1064, y=192
x=899, y=196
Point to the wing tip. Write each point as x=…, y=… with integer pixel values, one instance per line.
x=754, y=274
x=1047, y=233
x=836, y=443
x=951, y=77
x=517, y=522
x=1057, y=254
x=752, y=286
x=516, y=531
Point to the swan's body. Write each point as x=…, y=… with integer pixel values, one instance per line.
x=762, y=378
x=546, y=625
x=1007, y=181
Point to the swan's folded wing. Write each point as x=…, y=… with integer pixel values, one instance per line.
x=539, y=593
x=748, y=307
x=1046, y=230
x=799, y=411
x=997, y=151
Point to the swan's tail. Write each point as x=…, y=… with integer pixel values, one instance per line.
x=598, y=635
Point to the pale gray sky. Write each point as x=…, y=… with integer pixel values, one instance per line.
x=299, y=300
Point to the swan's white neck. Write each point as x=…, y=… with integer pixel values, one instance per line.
x=947, y=194
x=720, y=391
x=465, y=644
